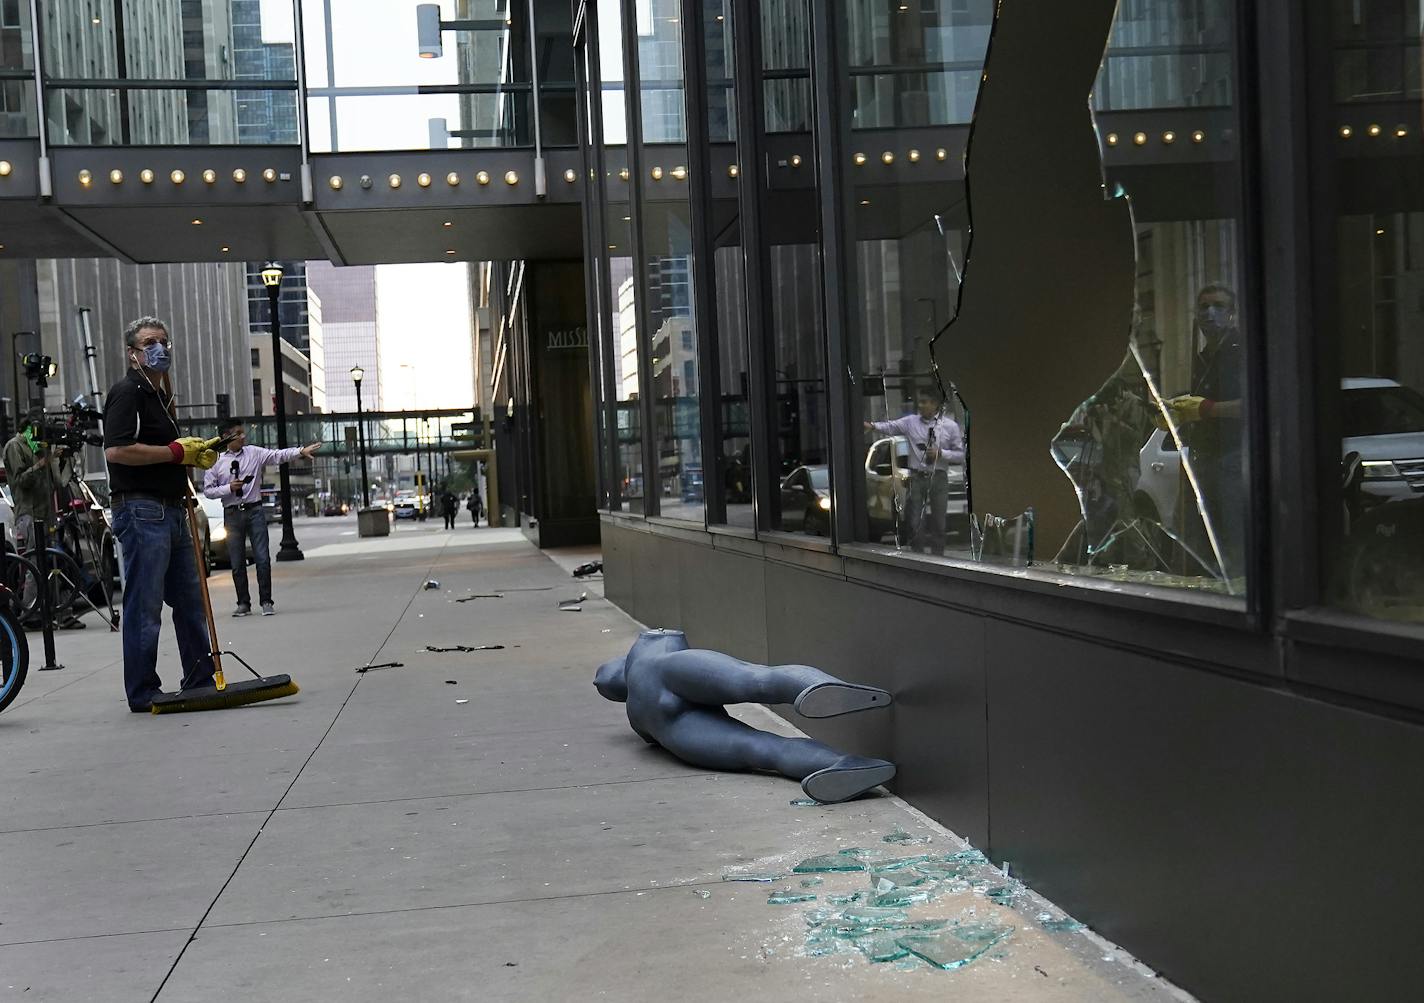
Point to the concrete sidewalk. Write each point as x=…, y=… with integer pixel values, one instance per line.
x=473, y=826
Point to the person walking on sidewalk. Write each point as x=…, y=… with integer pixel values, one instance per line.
x=449, y=507
x=148, y=484
x=473, y=506
x=236, y=479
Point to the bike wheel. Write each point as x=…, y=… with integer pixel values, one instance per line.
x=14, y=659
x=22, y=579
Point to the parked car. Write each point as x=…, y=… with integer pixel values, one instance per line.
x=406, y=507
x=333, y=507
x=213, y=530
x=806, y=500
x=1381, y=421
x=887, y=488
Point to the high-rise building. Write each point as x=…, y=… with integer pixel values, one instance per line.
x=349, y=333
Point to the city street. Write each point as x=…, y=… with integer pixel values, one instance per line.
x=470, y=825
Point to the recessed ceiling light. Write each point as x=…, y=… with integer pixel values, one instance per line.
x=197, y=222
x=96, y=20
x=224, y=248
x=447, y=223
x=176, y=176
x=449, y=250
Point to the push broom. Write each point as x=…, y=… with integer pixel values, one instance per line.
x=221, y=694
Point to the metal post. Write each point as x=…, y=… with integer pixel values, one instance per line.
x=541, y=183
x=361, y=441
x=89, y=354
x=289, y=550
x=303, y=134
x=41, y=117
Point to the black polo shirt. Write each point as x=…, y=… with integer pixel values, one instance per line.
x=136, y=413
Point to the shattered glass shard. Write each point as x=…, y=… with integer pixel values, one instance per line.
x=882, y=885
x=805, y=803
x=903, y=837
x=1065, y=925
x=902, y=897
x=786, y=896
x=811, y=882
x=819, y=947
x=850, y=899
x=818, y=916
x=969, y=856
x=900, y=863
x=981, y=933
x=858, y=852
x=702, y=893
x=829, y=863
x=763, y=877
x=881, y=947
x=875, y=915
x=1005, y=894
x=947, y=949
x=937, y=869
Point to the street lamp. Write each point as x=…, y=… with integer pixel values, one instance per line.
x=271, y=273
x=356, y=374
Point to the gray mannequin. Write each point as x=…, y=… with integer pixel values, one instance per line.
x=675, y=697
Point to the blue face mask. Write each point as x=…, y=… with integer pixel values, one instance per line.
x=156, y=357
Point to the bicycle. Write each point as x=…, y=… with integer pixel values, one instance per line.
x=14, y=655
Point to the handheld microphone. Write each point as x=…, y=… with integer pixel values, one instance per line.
x=234, y=469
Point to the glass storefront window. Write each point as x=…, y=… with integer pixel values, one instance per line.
x=667, y=249
x=1377, y=547
x=733, y=474
x=1158, y=453
x=910, y=67
x=795, y=330
x=621, y=298
x=1156, y=456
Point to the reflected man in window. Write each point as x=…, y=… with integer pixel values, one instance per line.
x=936, y=443
x=1213, y=413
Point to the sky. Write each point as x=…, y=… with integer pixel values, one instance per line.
x=424, y=313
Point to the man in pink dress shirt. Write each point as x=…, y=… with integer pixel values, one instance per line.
x=236, y=479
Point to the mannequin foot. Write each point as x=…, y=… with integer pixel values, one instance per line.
x=833, y=699
x=847, y=777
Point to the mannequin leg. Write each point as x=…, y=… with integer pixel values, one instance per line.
x=712, y=678
x=711, y=739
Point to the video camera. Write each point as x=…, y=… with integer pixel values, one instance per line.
x=73, y=428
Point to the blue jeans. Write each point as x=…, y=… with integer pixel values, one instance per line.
x=158, y=569
x=243, y=525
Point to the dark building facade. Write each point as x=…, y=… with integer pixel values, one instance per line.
x=1155, y=633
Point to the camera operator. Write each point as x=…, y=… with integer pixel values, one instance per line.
x=148, y=482
x=33, y=472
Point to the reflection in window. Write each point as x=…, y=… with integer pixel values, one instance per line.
x=731, y=470
x=795, y=338
x=1158, y=454
x=667, y=248
x=914, y=66
x=1378, y=544
x=621, y=295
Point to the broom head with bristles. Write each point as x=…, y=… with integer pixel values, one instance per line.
x=235, y=694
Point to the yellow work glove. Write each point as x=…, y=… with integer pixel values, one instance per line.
x=192, y=451
x=1185, y=410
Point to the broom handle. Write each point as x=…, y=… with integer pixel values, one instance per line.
x=218, y=680
x=192, y=502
